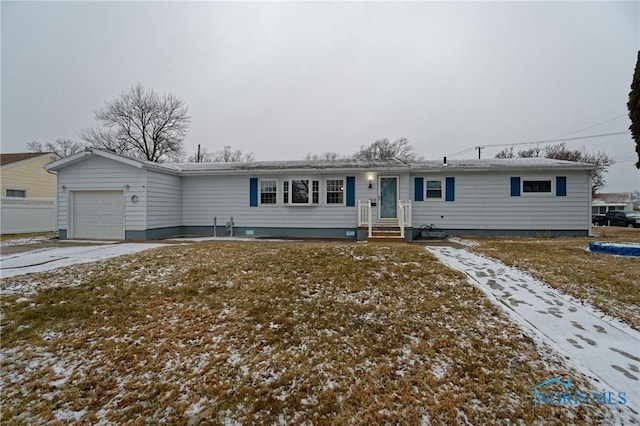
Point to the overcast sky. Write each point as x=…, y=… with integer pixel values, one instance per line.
x=284, y=79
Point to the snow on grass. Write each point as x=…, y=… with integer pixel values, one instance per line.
x=609, y=283
x=7, y=240
x=463, y=242
x=304, y=334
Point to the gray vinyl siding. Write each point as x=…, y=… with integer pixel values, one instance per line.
x=168, y=204
x=164, y=200
x=100, y=173
x=206, y=197
x=483, y=201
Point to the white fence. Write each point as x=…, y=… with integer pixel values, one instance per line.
x=365, y=215
x=23, y=215
x=404, y=215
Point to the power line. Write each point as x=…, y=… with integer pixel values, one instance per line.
x=561, y=139
x=629, y=154
x=558, y=140
x=460, y=152
x=595, y=125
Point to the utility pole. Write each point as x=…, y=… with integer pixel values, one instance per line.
x=198, y=156
x=479, y=148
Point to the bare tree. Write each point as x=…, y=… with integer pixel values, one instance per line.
x=225, y=155
x=506, y=153
x=560, y=152
x=328, y=155
x=61, y=147
x=525, y=153
x=141, y=124
x=383, y=149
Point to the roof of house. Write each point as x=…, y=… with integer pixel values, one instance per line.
x=19, y=156
x=612, y=198
x=321, y=165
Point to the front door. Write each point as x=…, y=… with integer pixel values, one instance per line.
x=388, y=206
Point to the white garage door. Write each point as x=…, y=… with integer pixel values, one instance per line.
x=98, y=214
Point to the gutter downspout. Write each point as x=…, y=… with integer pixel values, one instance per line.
x=57, y=202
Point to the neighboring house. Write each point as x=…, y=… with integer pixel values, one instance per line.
x=28, y=192
x=103, y=195
x=602, y=203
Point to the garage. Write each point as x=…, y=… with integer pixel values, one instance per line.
x=98, y=214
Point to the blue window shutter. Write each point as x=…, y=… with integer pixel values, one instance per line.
x=351, y=191
x=515, y=186
x=419, y=189
x=561, y=186
x=450, y=189
x=253, y=192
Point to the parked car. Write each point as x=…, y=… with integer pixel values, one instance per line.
x=628, y=218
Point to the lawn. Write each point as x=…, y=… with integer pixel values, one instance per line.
x=270, y=333
x=610, y=283
x=26, y=238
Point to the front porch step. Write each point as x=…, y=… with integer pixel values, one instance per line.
x=386, y=234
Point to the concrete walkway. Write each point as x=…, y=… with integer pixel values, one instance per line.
x=601, y=347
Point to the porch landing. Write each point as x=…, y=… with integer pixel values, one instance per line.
x=385, y=233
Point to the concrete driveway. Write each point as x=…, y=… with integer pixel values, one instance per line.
x=45, y=256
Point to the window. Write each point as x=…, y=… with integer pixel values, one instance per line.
x=335, y=191
x=542, y=186
x=285, y=192
x=434, y=189
x=268, y=192
x=301, y=192
x=22, y=193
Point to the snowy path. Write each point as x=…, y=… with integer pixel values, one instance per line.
x=50, y=258
x=601, y=347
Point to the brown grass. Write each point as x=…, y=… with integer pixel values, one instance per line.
x=610, y=283
x=263, y=333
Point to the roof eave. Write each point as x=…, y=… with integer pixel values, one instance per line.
x=91, y=153
x=30, y=159
x=300, y=171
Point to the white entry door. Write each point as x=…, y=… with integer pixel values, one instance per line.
x=98, y=214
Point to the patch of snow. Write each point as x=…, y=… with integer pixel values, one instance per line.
x=50, y=335
x=69, y=415
x=463, y=242
x=194, y=410
x=309, y=400
x=24, y=241
x=439, y=369
x=425, y=420
x=201, y=239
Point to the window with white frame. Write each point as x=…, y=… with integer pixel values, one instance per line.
x=335, y=191
x=434, y=189
x=22, y=193
x=268, y=192
x=537, y=186
x=301, y=192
